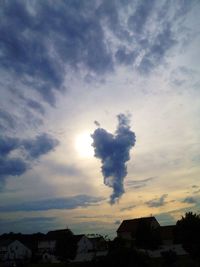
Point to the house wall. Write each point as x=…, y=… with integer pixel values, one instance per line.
x=84, y=245
x=16, y=250
x=46, y=245
x=125, y=235
x=3, y=252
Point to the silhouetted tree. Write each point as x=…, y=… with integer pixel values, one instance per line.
x=187, y=232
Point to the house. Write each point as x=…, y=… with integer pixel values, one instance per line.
x=167, y=234
x=14, y=250
x=46, y=245
x=89, y=247
x=129, y=229
x=46, y=250
x=56, y=245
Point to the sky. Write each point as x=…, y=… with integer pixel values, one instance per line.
x=99, y=113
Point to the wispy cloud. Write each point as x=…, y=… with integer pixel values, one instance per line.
x=190, y=200
x=139, y=183
x=130, y=207
x=157, y=202
x=53, y=203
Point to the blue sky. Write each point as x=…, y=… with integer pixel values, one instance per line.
x=69, y=70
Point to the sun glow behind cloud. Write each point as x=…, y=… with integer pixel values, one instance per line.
x=83, y=145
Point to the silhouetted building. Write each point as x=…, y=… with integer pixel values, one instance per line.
x=129, y=229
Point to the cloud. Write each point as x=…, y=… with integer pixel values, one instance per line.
x=27, y=224
x=138, y=20
x=7, y=121
x=139, y=183
x=35, y=106
x=125, y=57
x=113, y=151
x=156, y=51
x=157, y=202
x=17, y=155
x=189, y=200
x=41, y=145
x=38, y=39
x=128, y=208
x=117, y=222
x=54, y=203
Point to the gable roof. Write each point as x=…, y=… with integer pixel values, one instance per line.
x=132, y=224
x=59, y=233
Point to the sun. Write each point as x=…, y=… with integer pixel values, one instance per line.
x=83, y=145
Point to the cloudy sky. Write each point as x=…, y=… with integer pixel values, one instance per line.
x=123, y=75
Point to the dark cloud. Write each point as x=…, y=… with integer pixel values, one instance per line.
x=39, y=39
x=113, y=151
x=27, y=224
x=25, y=151
x=117, y=222
x=11, y=167
x=156, y=51
x=41, y=145
x=125, y=57
x=36, y=45
x=35, y=106
x=138, y=20
x=53, y=203
x=157, y=202
x=189, y=200
x=7, y=121
x=139, y=183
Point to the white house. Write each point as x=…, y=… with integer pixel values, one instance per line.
x=88, y=248
x=46, y=250
x=14, y=250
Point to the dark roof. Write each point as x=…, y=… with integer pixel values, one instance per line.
x=132, y=225
x=167, y=232
x=59, y=233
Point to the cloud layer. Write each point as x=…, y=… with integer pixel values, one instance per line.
x=53, y=203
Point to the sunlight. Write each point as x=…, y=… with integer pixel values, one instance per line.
x=83, y=145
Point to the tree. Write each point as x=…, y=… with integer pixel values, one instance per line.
x=187, y=232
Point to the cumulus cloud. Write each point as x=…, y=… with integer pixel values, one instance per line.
x=53, y=203
x=113, y=151
x=157, y=202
